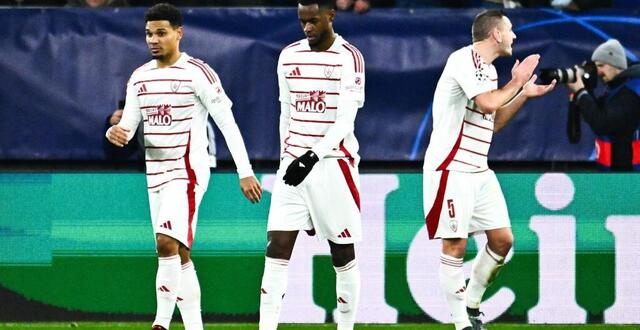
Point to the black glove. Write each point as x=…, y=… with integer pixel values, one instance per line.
x=300, y=168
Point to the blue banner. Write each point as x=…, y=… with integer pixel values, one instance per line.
x=63, y=70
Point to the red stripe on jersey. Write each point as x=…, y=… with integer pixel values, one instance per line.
x=312, y=78
x=165, y=93
x=433, y=217
x=156, y=80
x=479, y=126
x=313, y=64
x=296, y=146
x=358, y=61
x=171, y=170
x=346, y=153
x=191, y=193
x=475, y=57
x=350, y=183
x=452, y=153
x=172, y=107
x=473, y=152
x=474, y=138
x=314, y=121
x=166, y=147
x=476, y=111
x=182, y=119
x=172, y=133
x=161, y=160
x=459, y=161
x=306, y=92
x=313, y=51
x=291, y=45
x=160, y=184
x=287, y=152
x=303, y=134
x=204, y=69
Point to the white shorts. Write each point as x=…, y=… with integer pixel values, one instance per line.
x=328, y=200
x=458, y=203
x=174, y=210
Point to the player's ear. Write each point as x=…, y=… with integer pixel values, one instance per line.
x=332, y=15
x=180, y=32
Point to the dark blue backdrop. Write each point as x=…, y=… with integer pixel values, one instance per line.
x=63, y=70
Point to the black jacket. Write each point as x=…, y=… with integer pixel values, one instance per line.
x=616, y=115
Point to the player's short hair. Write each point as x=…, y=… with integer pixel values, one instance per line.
x=324, y=4
x=484, y=23
x=164, y=12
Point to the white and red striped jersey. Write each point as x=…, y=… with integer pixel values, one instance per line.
x=461, y=134
x=174, y=103
x=315, y=86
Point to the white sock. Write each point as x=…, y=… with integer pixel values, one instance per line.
x=348, y=294
x=452, y=283
x=167, y=285
x=486, y=266
x=189, y=298
x=274, y=285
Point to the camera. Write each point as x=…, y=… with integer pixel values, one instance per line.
x=569, y=75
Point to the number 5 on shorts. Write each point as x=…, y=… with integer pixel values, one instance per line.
x=452, y=209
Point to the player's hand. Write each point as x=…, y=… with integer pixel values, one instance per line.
x=118, y=135
x=116, y=116
x=251, y=189
x=530, y=89
x=300, y=168
x=522, y=71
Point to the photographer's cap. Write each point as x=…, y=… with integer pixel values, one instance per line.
x=612, y=53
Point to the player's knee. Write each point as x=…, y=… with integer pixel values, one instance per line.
x=166, y=246
x=342, y=254
x=279, y=248
x=503, y=245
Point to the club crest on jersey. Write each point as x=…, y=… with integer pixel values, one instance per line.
x=313, y=101
x=328, y=71
x=175, y=86
x=453, y=224
x=160, y=116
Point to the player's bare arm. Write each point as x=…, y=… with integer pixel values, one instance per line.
x=251, y=189
x=521, y=72
x=118, y=136
x=529, y=90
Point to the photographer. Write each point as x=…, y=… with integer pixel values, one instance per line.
x=614, y=116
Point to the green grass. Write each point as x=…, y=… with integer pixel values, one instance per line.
x=247, y=326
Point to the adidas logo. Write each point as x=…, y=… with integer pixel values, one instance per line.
x=163, y=289
x=142, y=89
x=461, y=290
x=166, y=225
x=342, y=301
x=263, y=291
x=295, y=72
x=345, y=233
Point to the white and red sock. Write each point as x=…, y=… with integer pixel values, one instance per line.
x=274, y=285
x=167, y=286
x=189, y=298
x=485, y=268
x=452, y=283
x=348, y=294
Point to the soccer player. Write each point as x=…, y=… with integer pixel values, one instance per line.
x=173, y=94
x=461, y=194
x=321, y=82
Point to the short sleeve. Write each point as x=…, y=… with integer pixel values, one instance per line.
x=352, y=79
x=472, y=74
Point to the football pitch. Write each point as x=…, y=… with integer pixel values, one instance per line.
x=249, y=326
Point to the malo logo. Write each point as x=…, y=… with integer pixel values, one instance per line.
x=160, y=116
x=311, y=102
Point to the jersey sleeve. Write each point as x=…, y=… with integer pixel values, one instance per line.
x=352, y=80
x=131, y=115
x=471, y=73
x=283, y=88
x=208, y=89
